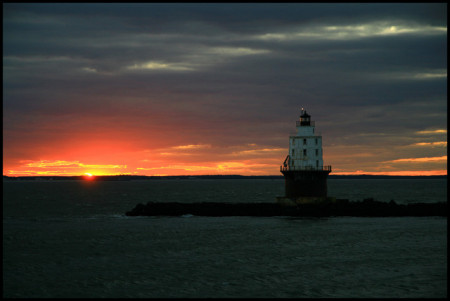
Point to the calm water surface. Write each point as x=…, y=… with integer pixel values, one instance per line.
x=71, y=239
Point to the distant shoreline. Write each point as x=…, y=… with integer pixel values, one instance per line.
x=201, y=177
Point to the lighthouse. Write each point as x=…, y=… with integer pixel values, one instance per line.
x=304, y=173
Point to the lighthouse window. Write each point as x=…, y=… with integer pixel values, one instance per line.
x=304, y=152
x=317, y=152
x=316, y=141
x=304, y=141
x=293, y=152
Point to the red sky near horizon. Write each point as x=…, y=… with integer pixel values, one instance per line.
x=113, y=157
x=170, y=89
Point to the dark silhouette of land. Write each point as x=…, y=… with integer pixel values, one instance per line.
x=341, y=207
x=139, y=177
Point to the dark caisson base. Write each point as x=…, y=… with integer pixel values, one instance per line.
x=305, y=183
x=368, y=208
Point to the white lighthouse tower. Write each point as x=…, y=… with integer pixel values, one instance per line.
x=305, y=148
x=303, y=169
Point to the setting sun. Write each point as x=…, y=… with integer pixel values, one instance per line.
x=89, y=176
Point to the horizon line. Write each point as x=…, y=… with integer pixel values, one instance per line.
x=221, y=175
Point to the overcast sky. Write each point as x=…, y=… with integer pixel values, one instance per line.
x=216, y=88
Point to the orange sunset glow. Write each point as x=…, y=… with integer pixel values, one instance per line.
x=127, y=156
x=190, y=160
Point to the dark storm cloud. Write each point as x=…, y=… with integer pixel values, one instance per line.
x=357, y=68
x=236, y=16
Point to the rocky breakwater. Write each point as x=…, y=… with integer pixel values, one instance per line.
x=340, y=207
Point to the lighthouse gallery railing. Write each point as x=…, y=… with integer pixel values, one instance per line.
x=305, y=123
x=305, y=168
x=286, y=167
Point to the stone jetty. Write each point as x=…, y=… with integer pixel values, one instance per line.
x=340, y=207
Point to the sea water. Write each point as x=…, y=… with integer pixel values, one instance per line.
x=72, y=239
